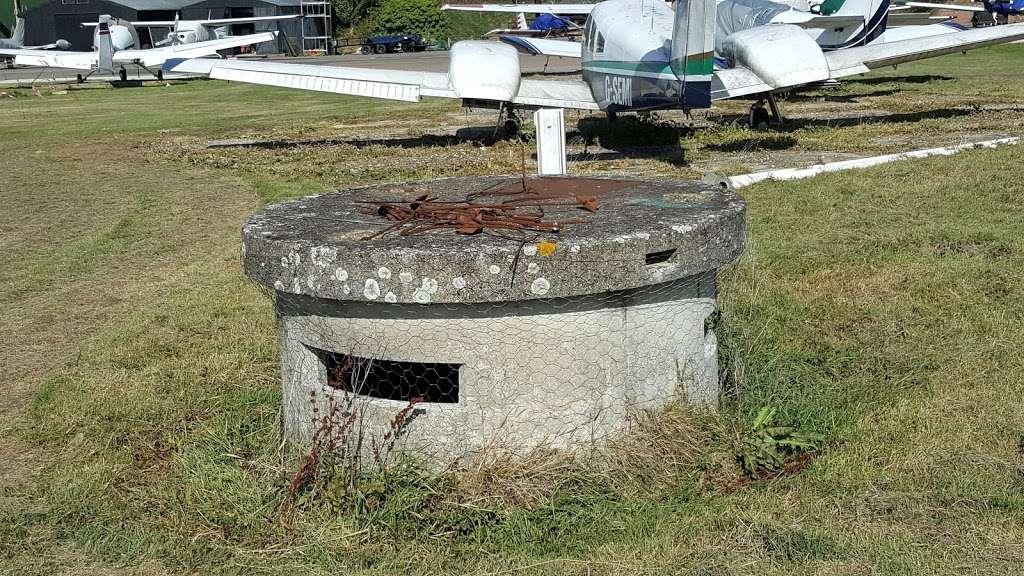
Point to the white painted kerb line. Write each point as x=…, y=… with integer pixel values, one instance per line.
x=800, y=173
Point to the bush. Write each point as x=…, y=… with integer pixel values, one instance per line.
x=421, y=17
x=348, y=13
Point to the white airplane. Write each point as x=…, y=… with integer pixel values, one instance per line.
x=834, y=24
x=543, y=25
x=106, y=57
x=997, y=10
x=181, y=31
x=17, y=39
x=636, y=55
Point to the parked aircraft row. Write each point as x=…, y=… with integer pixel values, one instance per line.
x=123, y=35
x=834, y=24
x=635, y=55
x=107, y=58
x=643, y=55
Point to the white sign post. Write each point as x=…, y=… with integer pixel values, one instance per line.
x=550, y=123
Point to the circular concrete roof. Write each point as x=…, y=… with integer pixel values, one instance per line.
x=339, y=245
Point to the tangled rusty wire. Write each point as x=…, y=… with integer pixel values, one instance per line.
x=474, y=215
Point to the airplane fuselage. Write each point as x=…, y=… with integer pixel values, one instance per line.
x=626, y=58
x=188, y=32
x=626, y=47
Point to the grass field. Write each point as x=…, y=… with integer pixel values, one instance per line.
x=882, y=309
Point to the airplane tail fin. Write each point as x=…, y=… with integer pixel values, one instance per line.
x=18, y=33
x=693, y=50
x=105, y=47
x=874, y=12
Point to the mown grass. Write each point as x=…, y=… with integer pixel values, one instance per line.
x=882, y=308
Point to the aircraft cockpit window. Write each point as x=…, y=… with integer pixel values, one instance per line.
x=600, y=42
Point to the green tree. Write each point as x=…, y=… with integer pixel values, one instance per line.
x=348, y=13
x=421, y=17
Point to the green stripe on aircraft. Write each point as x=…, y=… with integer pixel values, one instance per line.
x=696, y=65
x=830, y=7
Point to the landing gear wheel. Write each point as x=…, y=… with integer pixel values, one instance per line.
x=160, y=75
x=759, y=117
x=511, y=128
x=79, y=79
x=122, y=74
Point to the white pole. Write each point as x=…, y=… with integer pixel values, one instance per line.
x=550, y=123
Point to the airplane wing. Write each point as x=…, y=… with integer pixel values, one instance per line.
x=517, y=32
x=464, y=81
x=543, y=46
x=525, y=8
x=739, y=81
x=861, y=59
x=51, y=59
x=220, y=22
x=229, y=21
x=900, y=33
x=735, y=83
x=573, y=94
x=408, y=86
x=157, y=56
x=937, y=6
x=915, y=19
x=810, y=20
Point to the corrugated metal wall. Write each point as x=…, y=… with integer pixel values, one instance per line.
x=60, y=19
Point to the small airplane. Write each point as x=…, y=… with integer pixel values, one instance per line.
x=123, y=37
x=543, y=26
x=17, y=39
x=834, y=24
x=106, y=57
x=998, y=11
x=637, y=55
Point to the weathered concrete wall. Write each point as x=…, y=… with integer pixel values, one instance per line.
x=559, y=374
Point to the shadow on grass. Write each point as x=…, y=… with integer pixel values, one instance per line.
x=630, y=137
x=475, y=134
x=839, y=98
x=667, y=153
x=917, y=79
x=764, y=141
x=794, y=124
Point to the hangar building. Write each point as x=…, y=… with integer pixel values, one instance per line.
x=49, y=20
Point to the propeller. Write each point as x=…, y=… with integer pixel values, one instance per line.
x=174, y=31
x=172, y=36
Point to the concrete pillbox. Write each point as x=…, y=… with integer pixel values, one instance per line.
x=507, y=338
